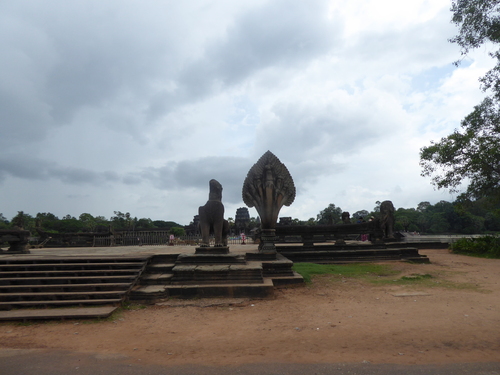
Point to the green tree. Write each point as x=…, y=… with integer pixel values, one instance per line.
x=422, y=206
x=311, y=221
x=69, y=224
x=88, y=221
x=47, y=221
x=3, y=221
x=177, y=231
x=160, y=224
x=404, y=222
x=329, y=215
x=473, y=151
x=23, y=221
x=438, y=224
x=254, y=223
x=362, y=213
x=144, y=223
x=122, y=221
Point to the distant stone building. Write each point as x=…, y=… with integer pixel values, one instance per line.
x=193, y=229
x=287, y=220
x=242, y=220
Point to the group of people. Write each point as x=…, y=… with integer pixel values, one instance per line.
x=364, y=237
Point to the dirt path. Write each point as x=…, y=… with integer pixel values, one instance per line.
x=456, y=318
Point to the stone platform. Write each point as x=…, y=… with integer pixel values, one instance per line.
x=71, y=278
x=354, y=252
x=216, y=273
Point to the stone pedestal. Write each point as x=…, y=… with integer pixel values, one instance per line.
x=212, y=250
x=17, y=239
x=267, y=241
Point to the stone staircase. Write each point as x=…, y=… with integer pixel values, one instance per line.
x=351, y=254
x=91, y=287
x=202, y=275
x=66, y=287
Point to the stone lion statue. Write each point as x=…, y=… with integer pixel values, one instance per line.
x=387, y=219
x=212, y=217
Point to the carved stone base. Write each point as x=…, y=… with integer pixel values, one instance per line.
x=267, y=241
x=212, y=250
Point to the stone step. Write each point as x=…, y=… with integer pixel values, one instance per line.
x=210, y=259
x=156, y=278
x=288, y=281
x=48, y=296
x=212, y=250
x=327, y=260
x=69, y=266
x=343, y=256
x=7, y=289
x=217, y=274
x=70, y=273
x=74, y=259
x=164, y=258
x=66, y=280
x=148, y=293
x=60, y=313
x=154, y=293
x=62, y=281
x=280, y=266
x=55, y=303
x=159, y=267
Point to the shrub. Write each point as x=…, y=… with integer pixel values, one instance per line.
x=487, y=246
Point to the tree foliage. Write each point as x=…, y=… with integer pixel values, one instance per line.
x=472, y=152
x=330, y=215
x=177, y=231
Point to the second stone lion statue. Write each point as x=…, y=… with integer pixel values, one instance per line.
x=212, y=217
x=387, y=219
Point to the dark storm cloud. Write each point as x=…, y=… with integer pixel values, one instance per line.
x=33, y=169
x=195, y=174
x=62, y=57
x=71, y=56
x=229, y=171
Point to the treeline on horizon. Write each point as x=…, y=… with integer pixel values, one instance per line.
x=50, y=223
x=459, y=217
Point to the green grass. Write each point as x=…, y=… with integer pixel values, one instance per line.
x=358, y=270
x=132, y=306
x=379, y=275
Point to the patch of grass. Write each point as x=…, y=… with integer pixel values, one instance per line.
x=416, y=277
x=132, y=306
x=427, y=281
x=419, y=279
x=380, y=275
x=358, y=270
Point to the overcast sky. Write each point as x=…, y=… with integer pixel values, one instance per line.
x=134, y=106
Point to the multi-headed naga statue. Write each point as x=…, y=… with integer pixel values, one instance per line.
x=268, y=187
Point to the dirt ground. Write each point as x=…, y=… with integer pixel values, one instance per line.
x=454, y=318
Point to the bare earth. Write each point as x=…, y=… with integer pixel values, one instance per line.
x=334, y=320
